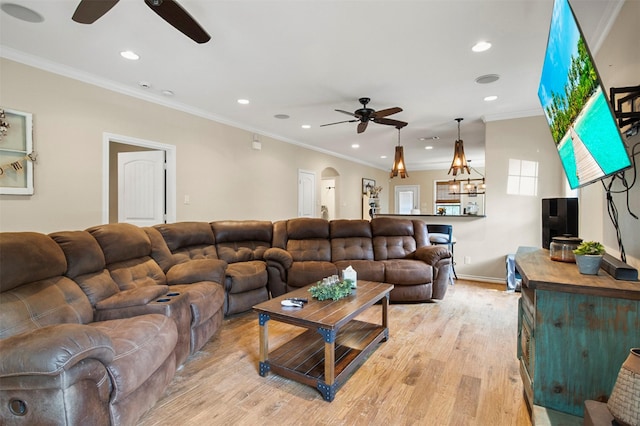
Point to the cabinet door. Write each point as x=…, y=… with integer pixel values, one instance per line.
x=580, y=343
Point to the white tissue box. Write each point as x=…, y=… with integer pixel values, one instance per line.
x=350, y=274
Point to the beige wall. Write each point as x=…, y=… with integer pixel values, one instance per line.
x=216, y=167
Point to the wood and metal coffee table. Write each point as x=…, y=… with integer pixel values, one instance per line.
x=334, y=344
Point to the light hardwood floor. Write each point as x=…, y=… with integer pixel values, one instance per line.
x=452, y=362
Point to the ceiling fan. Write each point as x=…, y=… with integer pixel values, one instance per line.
x=364, y=115
x=88, y=11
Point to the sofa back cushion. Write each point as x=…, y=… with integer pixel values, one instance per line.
x=308, y=239
x=392, y=238
x=34, y=291
x=86, y=264
x=26, y=257
x=189, y=240
x=351, y=240
x=121, y=241
x=242, y=241
x=127, y=251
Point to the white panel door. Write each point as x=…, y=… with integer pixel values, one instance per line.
x=306, y=193
x=407, y=198
x=141, y=187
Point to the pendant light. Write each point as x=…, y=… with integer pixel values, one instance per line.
x=459, y=163
x=399, y=167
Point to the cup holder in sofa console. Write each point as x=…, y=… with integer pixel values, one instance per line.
x=164, y=299
x=167, y=297
x=175, y=293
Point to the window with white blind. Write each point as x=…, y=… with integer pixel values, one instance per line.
x=443, y=199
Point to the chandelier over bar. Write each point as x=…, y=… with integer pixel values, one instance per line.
x=399, y=167
x=459, y=163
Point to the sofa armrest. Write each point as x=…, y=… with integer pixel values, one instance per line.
x=52, y=349
x=197, y=270
x=133, y=297
x=431, y=255
x=278, y=255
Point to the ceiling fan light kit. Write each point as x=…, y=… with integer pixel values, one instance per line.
x=459, y=163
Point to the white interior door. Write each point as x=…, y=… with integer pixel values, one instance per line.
x=407, y=198
x=306, y=194
x=141, y=187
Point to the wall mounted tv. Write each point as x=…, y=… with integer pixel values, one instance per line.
x=582, y=124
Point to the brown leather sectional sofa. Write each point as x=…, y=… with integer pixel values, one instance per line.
x=94, y=323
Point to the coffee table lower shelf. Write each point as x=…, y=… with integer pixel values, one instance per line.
x=304, y=359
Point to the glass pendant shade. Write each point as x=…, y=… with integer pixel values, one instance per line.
x=399, y=167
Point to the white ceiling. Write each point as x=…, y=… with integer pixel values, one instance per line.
x=306, y=58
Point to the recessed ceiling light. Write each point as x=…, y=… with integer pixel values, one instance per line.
x=355, y=145
x=22, y=13
x=430, y=138
x=144, y=84
x=281, y=116
x=481, y=46
x=490, y=98
x=306, y=126
x=167, y=92
x=243, y=101
x=128, y=54
x=428, y=147
x=383, y=156
x=487, y=78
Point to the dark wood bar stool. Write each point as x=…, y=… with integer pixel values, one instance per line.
x=443, y=235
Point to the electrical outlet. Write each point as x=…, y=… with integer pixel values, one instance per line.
x=187, y=199
x=467, y=260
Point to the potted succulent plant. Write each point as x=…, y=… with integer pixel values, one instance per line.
x=589, y=256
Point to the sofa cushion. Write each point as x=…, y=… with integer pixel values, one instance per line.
x=369, y=270
x=246, y=276
x=51, y=301
x=86, y=264
x=348, y=228
x=141, y=345
x=121, y=241
x=305, y=250
x=393, y=247
x=186, y=234
x=50, y=350
x=26, y=257
x=356, y=248
x=304, y=273
x=407, y=272
x=305, y=228
x=137, y=272
x=82, y=251
x=205, y=299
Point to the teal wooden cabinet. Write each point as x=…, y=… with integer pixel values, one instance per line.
x=574, y=330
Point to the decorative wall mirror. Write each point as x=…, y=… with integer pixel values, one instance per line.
x=16, y=152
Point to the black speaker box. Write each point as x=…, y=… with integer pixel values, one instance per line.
x=559, y=217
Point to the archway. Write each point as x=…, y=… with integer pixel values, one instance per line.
x=328, y=193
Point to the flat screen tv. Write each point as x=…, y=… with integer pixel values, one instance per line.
x=582, y=124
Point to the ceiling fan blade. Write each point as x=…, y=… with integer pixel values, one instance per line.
x=388, y=111
x=339, y=122
x=390, y=122
x=362, y=126
x=175, y=15
x=88, y=11
x=348, y=113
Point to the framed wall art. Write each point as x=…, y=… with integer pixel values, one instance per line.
x=367, y=185
x=16, y=152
